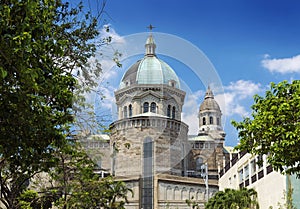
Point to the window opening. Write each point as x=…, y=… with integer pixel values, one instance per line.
x=146, y=107
x=153, y=107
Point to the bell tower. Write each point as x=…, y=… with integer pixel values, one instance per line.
x=210, y=116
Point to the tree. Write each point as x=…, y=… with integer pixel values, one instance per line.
x=74, y=184
x=274, y=129
x=42, y=44
x=288, y=197
x=233, y=199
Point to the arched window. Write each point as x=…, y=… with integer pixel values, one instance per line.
x=147, y=187
x=176, y=195
x=183, y=160
x=169, y=193
x=211, y=120
x=184, y=193
x=191, y=193
x=169, y=111
x=173, y=112
x=114, y=158
x=203, y=121
x=153, y=107
x=125, y=111
x=199, y=163
x=146, y=107
x=130, y=110
x=218, y=121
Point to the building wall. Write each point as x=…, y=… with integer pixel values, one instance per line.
x=162, y=95
x=128, y=136
x=295, y=184
x=134, y=200
x=98, y=148
x=270, y=185
x=173, y=191
x=211, y=153
x=170, y=191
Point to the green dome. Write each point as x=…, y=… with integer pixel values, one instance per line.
x=150, y=70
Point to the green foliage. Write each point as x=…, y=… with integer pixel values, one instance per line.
x=233, y=199
x=76, y=185
x=43, y=43
x=105, y=193
x=27, y=199
x=274, y=129
x=288, y=198
x=192, y=203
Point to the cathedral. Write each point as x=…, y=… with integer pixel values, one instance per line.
x=149, y=147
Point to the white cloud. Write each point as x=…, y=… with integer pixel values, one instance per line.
x=283, y=66
x=234, y=96
x=243, y=88
x=231, y=102
x=192, y=121
x=190, y=110
x=108, y=31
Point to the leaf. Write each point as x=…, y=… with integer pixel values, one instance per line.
x=3, y=73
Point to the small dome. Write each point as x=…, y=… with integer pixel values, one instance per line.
x=209, y=102
x=150, y=70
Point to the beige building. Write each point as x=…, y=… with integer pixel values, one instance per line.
x=243, y=171
x=149, y=146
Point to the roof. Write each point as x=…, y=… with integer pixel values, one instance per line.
x=209, y=102
x=150, y=70
x=230, y=149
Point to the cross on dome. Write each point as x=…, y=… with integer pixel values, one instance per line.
x=151, y=27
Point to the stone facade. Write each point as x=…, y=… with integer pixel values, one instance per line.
x=150, y=148
x=170, y=191
x=208, y=146
x=127, y=138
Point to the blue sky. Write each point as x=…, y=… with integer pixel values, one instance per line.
x=250, y=42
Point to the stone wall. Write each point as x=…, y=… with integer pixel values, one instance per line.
x=127, y=137
x=174, y=191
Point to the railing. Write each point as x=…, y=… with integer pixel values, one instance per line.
x=253, y=178
x=145, y=121
x=269, y=169
x=247, y=182
x=260, y=174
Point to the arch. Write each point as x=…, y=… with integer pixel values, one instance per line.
x=147, y=182
x=114, y=153
x=199, y=163
x=211, y=120
x=173, y=112
x=200, y=195
x=218, y=121
x=146, y=107
x=184, y=193
x=192, y=194
x=169, y=193
x=183, y=166
x=153, y=107
x=203, y=121
x=130, y=110
x=125, y=111
x=176, y=193
x=169, y=111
